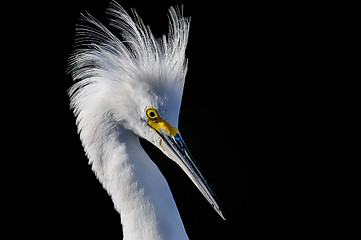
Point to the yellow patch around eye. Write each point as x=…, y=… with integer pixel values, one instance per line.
x=157, y=122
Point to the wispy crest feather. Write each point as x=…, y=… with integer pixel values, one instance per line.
x=102, y=61
x=138, y=54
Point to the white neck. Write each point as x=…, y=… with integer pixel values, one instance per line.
x=138, y=189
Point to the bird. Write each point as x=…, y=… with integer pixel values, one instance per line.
x=129, y=85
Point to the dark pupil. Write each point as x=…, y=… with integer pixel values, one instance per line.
x=152, y=114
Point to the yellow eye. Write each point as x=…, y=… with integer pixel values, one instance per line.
x=151, y=113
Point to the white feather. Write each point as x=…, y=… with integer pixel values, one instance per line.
x=116, y=80
x=155, y=66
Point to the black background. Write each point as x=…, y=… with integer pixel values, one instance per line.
x=242, y=118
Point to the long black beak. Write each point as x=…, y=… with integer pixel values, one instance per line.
x=177, y=150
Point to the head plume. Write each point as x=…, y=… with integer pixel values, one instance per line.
x=132, y=71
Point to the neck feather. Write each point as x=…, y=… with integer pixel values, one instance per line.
x=138, y=189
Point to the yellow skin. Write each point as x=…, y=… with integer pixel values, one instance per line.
x=156, y=122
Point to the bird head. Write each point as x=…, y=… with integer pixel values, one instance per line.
x=137, y=83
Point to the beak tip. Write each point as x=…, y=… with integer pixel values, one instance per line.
x=221, y=213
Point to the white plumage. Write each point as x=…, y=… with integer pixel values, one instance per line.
x=117, y=80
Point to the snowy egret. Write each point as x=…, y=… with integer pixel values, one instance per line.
x=126, y=89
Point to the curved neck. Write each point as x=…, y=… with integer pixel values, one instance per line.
x=138, y=189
